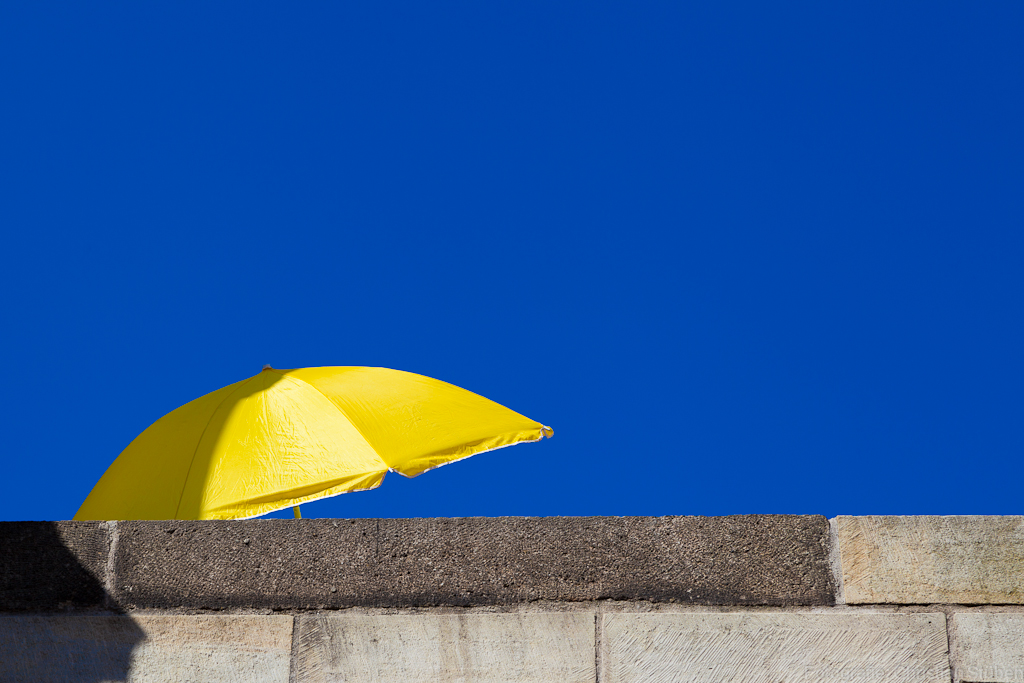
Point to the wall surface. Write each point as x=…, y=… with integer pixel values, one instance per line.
x=591, y=599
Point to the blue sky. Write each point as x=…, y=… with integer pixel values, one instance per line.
x=744, y=258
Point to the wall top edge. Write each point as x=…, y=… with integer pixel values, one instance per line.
x=964, y=517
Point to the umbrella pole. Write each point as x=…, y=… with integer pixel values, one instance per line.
x=295, y=509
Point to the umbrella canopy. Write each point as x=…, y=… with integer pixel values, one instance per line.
x=285, y=437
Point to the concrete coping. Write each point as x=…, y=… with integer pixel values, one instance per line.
x=744, y=560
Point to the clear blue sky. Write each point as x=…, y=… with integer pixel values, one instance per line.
x=743, y=257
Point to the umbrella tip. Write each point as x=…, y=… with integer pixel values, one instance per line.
x=267, y=367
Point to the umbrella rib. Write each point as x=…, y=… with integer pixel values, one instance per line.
x=196, y=449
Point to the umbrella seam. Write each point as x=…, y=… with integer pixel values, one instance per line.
x=313, y=500
x=340, y=410
x=293, y=494
x=391, y=469
x=381, y=480
x=486, y=450
x=188, y=474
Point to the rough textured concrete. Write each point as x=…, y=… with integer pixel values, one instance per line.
x=478, y=648
x=257, y=563
x=145, y=649
x=48, y=566
x=754, y=560
x=750, y=559
x=769, y=647
x=926, y=560
x=988, y=648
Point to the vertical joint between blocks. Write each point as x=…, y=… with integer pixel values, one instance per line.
x=835, y=560
x=108, y=574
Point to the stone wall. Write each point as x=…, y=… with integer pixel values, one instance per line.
x=598, y=599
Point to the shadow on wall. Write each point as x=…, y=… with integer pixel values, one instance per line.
x=57, y=622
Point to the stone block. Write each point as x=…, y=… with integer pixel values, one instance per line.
x=928, y=559
x=46, y=566
x=752, y=560
x=145, y=649
x=988, y=647
x=255, y=563
x=766, y=647
x=443, y=648
x=743, y=559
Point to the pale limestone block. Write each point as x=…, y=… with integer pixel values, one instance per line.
x=769, y=647
x=924, y=560
x=988, y=647
x=145, y=649
x=448, y=648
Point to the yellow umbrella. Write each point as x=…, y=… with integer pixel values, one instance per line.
x=285, y=437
